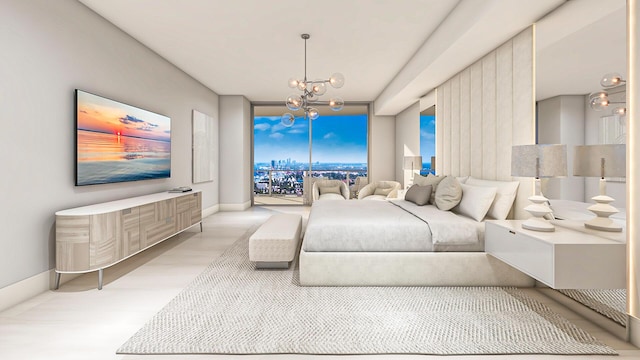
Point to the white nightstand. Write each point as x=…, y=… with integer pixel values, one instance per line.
x=563, y=259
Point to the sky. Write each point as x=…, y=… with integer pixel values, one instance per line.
x=427, y=137
x=336, y=139
x=103, y=115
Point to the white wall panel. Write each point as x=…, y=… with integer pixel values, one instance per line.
x=475, y=145
x=489, y=83
x=504, y=101
x=455, y=126
x=465, y=121
x=484, y=110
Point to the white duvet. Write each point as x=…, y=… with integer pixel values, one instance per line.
x=398, y=225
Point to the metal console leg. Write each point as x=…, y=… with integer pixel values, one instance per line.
x=57, y=281
x=200, y=226
x=100, y=279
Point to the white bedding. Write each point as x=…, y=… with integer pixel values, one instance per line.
x=383, y=226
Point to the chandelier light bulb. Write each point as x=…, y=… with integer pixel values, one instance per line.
x=336, y=80
x=293, y=83
x=313, y=113
x=598, y=95
x=598, y=103
x=621, y=110
x=318, y=87
x=611, y=80
x=302, y=85
x=336, y=104
x=287, y=119
x=294, y=102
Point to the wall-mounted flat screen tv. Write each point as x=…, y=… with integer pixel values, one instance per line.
x=116, y=142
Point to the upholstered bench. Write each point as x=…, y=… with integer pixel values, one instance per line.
x=275, y=242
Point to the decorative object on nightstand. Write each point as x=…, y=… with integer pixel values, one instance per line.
x=539, y=161
x=600, y=161
x=412, y=163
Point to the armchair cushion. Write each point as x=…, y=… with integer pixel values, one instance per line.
x=329, y=189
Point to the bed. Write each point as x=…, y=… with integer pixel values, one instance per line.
x=397, y=243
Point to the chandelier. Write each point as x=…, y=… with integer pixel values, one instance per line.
x=601, y=99
x=311, y=91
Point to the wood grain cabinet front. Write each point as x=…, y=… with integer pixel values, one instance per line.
x=94, y=237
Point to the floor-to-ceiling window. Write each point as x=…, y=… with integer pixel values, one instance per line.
x=428, y=140
x=283, y=156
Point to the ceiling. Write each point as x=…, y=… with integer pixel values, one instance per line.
x=391, y=52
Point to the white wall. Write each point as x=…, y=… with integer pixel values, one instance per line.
x=561, y=120
x=382, y=153
x=50, y=48
x=407, y=140
x=235, y=153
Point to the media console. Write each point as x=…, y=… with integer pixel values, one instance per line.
x=94, y=237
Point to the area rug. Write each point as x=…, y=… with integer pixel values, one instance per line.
x=611, y=303
x=232, y=308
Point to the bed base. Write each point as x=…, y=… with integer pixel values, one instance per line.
x=407, y=269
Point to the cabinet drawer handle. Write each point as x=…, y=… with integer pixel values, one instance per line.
x=513, y=232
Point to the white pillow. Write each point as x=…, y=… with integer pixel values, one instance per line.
x=448, y=194
x=462, y=179
x=505, y=195
x=476, y=201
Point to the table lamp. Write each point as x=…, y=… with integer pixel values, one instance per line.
x=538, y=161
x=412, y=163
x=600, y=161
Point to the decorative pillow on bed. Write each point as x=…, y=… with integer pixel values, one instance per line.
x=476, y=201
x=430, y=179
x=418, y=195
x=448, y=193
x=505, y=195
x=329, y=189
x=382, y=191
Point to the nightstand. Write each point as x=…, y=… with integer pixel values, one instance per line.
x=563, y=259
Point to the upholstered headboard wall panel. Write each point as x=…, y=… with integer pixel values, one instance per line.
x=484, y=110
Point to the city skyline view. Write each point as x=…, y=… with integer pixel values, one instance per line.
x=336, y=139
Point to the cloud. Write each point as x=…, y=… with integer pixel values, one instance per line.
x=329, y=135
x=262, y=127
x=276, y=136
x=128, y=119
x=296, y=131
x=427, y=135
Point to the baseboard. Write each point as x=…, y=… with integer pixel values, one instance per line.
x=25, y=289
x=602, y=321
x=633, y=330
x=235, y=207
x=210, y=211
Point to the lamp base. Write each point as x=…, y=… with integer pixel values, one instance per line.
x=538, y=224
x=603, y=210
x=538, y=210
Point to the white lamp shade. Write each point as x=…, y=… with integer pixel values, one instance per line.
x=539, y=160
x=588, y=160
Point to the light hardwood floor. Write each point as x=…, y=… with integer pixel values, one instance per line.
x=80, y=322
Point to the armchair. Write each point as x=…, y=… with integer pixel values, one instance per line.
x=380, y=190
x=360, y=182
x=330, y=190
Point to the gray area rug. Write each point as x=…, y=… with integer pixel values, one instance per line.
x=231, y=308
x=611, y=303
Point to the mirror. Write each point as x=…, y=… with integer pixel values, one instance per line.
x=576, y=45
